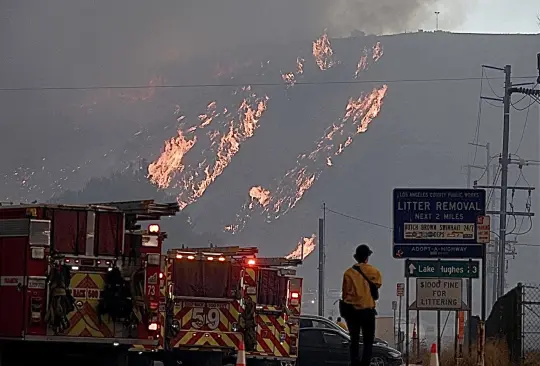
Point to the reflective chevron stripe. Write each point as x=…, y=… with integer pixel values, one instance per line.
x=86, y=288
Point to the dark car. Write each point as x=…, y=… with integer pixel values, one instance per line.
x=315, y=321
x=323, y=347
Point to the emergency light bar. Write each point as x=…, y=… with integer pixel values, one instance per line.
x=277, y=262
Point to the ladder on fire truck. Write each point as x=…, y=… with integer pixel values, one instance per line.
x=144, y=210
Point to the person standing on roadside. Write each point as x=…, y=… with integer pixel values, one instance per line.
x=360, y=291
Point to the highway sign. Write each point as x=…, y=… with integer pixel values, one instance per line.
x=434, y=223
x=400, y=289
x=438, y=294
x=445, y=269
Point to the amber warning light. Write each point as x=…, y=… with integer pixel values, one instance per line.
x=251, y=262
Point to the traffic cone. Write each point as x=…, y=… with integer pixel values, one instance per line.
x=241, y=355
x=434, y=358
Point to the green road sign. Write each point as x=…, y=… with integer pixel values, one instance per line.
x=445, y=269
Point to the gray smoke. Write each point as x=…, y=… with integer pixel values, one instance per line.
x=67, y=39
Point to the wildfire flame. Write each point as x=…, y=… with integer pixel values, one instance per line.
x=323, y=53
x=144, y=94
x=290, y=78
x=377, y=51
x=290, y=189
x=226, y=132
x=308, y=244
x=300, y=65
x=376, y=54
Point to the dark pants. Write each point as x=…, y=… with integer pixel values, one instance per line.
x=361, y=320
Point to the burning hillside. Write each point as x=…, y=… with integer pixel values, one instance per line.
x=216, y=138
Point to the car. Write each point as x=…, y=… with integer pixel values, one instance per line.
x=325, y=346
x=315, y=321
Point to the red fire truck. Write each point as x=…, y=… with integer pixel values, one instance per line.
x=79, y=284
x=222, y=297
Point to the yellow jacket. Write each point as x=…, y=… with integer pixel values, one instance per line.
x=355, y=289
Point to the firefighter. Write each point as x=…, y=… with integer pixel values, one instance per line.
x=360, y=292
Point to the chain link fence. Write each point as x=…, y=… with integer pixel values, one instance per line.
x=505, y=323
x=530, y=332
x=515, y=320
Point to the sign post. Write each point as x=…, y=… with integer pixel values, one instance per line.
x=400, y=288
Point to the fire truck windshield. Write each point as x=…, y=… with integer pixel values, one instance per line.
x=201, y=278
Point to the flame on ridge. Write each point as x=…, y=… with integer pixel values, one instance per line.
x=308, y=244
x=376, y=54
x=290, y=77
x=323, y=53
x=225, y=132
x=290, y=189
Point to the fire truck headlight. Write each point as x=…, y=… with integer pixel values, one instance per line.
x=175, y=324
x=152, y=326
x=235, y=327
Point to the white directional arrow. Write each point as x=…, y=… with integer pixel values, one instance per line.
x=411, y=269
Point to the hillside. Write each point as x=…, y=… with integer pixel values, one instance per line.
x=419, y=138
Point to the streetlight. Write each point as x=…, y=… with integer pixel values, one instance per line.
x=437, y=20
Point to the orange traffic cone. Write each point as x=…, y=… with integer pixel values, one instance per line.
x=241, y=355
x=434, y=358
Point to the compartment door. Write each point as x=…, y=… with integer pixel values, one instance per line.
x=12, y=275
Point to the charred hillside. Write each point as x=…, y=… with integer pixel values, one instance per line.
x=428, y=114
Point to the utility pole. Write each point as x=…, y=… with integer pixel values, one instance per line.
x=322, y=254
x=509, y=90
x=507, y=100
x=486, y=169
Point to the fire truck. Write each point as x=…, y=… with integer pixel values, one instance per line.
x=79, y=284
x=220, y=299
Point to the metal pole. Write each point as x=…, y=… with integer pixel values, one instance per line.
x=468, y=176
x=469, y=311
x=417, y=334
x=395, y=341
x=407, y=285
x=399, y=340
x=321, y=268
x=504, y=176
x=484, y=282
x=439, y=333
x=456, y=326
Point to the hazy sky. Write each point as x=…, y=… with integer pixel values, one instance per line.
x=499, y=16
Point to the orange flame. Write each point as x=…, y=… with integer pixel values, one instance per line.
x=308, y=244
x=145, y=93
x=376, y=54
x=323, y=53
x=289, y=78
x=225, y=138
x=290, y=189
x=378, y=51
x=300, y=65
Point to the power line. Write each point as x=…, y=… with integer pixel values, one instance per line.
x=229, y=85
x=359, y=219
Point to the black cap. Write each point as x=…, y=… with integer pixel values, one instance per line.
x=362, y=252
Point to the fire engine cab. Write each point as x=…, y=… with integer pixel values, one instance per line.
x=225, y=299
x=79, y=284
